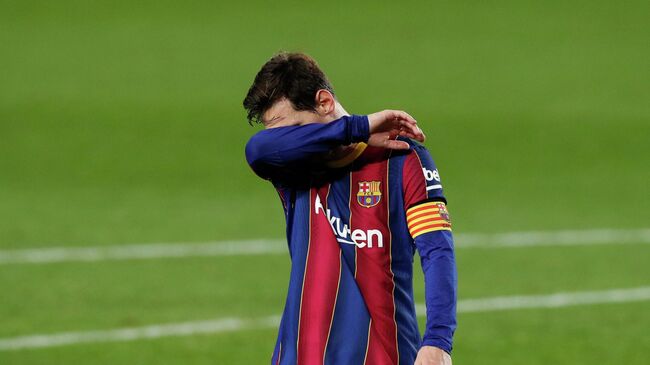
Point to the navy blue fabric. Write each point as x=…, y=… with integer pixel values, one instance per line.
x=284, y=154
x=436, y=251
x=289, y=157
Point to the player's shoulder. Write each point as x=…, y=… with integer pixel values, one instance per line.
x=415, y=147
x=418, y=157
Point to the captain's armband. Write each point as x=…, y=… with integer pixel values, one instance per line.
x=428, y=217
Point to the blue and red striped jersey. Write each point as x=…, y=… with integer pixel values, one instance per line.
x=353, y=227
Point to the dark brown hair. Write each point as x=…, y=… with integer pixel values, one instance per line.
x=294, y=76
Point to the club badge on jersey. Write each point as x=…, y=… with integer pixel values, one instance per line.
x=369, y=193
x=442, y=211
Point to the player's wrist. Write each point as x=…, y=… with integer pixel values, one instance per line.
x=431, y=355
x=359, y=128
x=439, y=343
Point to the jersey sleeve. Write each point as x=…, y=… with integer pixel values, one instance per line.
x=421, y=178
x=277, y=152
x=430, y=227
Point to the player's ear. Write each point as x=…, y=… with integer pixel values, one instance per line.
x=325, y=102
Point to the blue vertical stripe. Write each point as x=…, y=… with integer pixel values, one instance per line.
x=351, y=318
x=298, y=245
x=402, y=251
x=349, y=330
x=338, y=201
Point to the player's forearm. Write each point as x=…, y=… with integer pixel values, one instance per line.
x=438, y=263
x=278, y=148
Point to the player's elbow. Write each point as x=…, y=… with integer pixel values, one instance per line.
x=436, y=246
x=259, y=151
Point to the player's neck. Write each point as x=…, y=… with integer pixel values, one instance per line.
x=335, y=114
x=342, y=154
x=339, y=111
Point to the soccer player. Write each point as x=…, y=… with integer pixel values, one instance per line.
x=360, y=195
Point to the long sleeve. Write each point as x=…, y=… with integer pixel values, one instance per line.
x=430, y=226
x=278, y=151
x=436, y=251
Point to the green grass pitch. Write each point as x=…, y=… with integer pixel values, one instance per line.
x=121, y=122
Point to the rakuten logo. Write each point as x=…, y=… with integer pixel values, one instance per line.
x=358, y=237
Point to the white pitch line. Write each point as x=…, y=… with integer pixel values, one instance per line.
x=215, y=326
x=137, y=333
x=555, y=238
x=142, y=251
x=275, y=246
x=556, y=300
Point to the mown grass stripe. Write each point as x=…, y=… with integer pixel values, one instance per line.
x=222, y=325
x=277, y=246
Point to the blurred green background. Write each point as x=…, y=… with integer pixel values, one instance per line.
x=121, y=122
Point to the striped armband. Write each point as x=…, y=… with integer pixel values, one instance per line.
x=428, y=217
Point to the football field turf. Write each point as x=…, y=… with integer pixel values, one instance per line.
x=121, y=123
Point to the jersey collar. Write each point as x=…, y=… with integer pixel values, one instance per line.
x=347, y=159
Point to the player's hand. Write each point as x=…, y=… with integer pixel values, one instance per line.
x=430, y=355
x=386, y=125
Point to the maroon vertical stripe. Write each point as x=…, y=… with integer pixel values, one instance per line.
x=413, y=179
x=374, y=274
x=320, y=284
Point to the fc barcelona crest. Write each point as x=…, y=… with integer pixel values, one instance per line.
x=369, y=193
x=444, y=214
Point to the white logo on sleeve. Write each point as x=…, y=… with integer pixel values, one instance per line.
x=432, y=176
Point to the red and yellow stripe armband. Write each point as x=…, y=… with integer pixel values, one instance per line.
x=428, y=217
